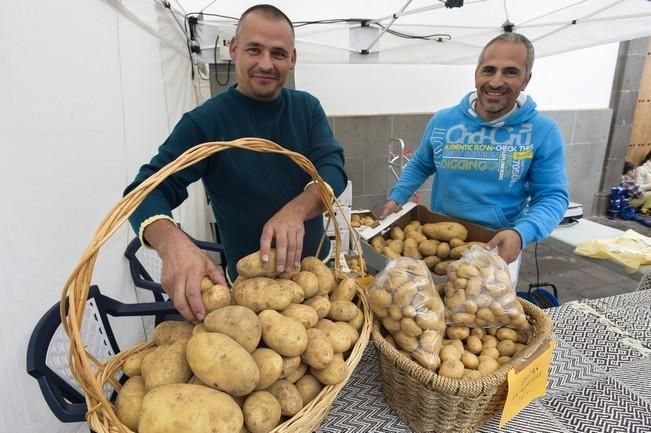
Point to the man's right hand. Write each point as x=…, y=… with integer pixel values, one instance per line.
x=184, y=266
x=389, y=208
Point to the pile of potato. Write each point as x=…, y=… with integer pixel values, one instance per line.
x=354, y=264
x=405, y=300
x=437, y=244
x=357, y=220
x=473, y=353
x=451, y=341
x=264, y=350
x=479, y=293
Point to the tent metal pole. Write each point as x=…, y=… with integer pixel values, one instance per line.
x=394, y=17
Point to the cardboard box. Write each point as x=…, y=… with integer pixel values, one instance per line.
x=346, y=197
x=366, y=232
x=344, y=237
x=377, y=262
x=364, y=213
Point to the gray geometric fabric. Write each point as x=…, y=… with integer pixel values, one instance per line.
x=604, y=406
x=594, y=340
x=597, y=384
x=635, y=376
x=537, y=419
x=614, y=302
x=570, y=369
x=360, y=406
x=635, y=320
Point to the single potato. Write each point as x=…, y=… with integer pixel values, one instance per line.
x=189, y=409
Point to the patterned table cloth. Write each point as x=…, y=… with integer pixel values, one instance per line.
x=599, y=378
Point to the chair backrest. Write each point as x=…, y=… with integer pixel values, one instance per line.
x=145, y=265
x=47, y=351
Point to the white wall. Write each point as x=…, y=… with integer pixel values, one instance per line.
x=576, y=80
x=83, y=101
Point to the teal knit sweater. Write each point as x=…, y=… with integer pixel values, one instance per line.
x=247, y=188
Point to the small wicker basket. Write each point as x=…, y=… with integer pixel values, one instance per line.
x=428, y=402
x=93, y=375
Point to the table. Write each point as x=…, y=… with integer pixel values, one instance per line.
x=599, y=378
x=568, y=237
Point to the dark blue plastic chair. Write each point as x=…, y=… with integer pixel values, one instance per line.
x=143, y=278
x=64, y=399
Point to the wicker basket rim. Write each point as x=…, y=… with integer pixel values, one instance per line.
x=466, y=388
x=92, y=375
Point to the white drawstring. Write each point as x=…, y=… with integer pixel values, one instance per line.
x=610, y=326
x=637, y=345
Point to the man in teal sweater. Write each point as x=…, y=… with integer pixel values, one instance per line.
x=260, y=200
x=497, y=161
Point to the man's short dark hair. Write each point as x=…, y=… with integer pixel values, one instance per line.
x=268, y=11
x=628, y=166
x=512, y=37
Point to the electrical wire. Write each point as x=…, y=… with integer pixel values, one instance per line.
x=535, y=256
x=167, y=5
x=297, y=24
x=211, y=15
x=439, y=37
x=228, y=67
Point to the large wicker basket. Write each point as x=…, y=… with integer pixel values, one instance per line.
x=93, y=375
x=428, y=402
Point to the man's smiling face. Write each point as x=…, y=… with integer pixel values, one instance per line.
x=499, y=78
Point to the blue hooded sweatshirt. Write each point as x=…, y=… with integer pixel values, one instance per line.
x=506, y=173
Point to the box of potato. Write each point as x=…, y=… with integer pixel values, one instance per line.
x=362, y=219
x=416, y=232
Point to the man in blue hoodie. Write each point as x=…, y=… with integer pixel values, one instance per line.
x=498, y=162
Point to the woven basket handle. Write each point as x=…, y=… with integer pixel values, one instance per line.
x=77, y=286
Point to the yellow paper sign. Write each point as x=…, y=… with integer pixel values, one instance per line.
x=365, y=280
x=527, y=384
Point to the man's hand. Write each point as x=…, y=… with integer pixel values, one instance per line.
x=389, y=208
x=287, y=230
x=184, y=266
x=508, y=244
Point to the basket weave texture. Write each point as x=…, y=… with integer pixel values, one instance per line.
x=93, y=375
x=428, y=402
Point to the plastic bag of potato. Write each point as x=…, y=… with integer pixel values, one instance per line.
x=479, y=293
x=405, y=300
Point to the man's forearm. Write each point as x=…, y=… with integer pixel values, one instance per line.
x=163, y=233
x=309, y=203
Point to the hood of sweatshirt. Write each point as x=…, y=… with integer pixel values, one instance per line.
x=524, y=110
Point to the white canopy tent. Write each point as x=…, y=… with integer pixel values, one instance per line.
x=429, y=32
x=90, y=90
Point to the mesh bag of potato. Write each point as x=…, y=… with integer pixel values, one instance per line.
x=479, y=292
x=461, y=383
x=404, y=298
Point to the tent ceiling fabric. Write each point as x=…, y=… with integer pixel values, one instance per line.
x=554, y=26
